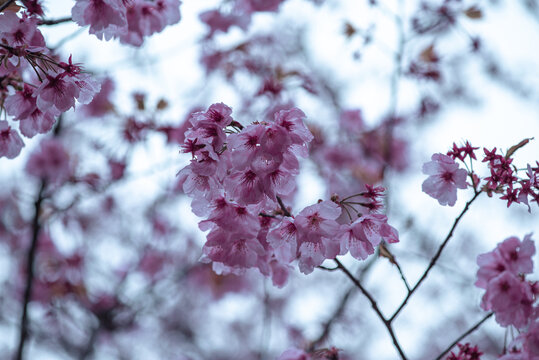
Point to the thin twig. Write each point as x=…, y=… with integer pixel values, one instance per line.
x=36, y=227
x=55, y=21
x=331, y=320
x=327, y=268
x=374, y=305
x=435, y=257
x=339, y=311
x=471, y=330
x=5, y=5
x=283, y=208
x=403, y=277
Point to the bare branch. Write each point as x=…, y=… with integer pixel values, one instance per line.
x=435, y=257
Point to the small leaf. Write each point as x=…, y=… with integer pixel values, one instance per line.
x=384, y=252
x=161, y=104
x=428, y=55
x=474, y=13
x=514, y=148
x=349, y=30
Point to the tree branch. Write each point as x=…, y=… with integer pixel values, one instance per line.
x=36, y=227
x=472, y=329
x=435, y=257
x=374, y=305
x=283, y=208
x=55, y=21
x=5, y=5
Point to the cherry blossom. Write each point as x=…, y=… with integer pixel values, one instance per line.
x=365, y=233
x=21, y=31
x=501, y=273
x=294, y=354
x=106, y=18
x=510, y=298
x=444, y=179
x=10, y=141
x=50, y=162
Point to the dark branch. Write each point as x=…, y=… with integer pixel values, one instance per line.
x=327, y=268
x=55, y=21
x=374, y=305
x=36, y=227
x=5, y=5
x=333, y=318
x=283, y=208
x=435, y=257
x=471, y=330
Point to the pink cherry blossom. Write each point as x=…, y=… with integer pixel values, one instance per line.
x=352, y=120
x=57, y=92
x=294, y=354
x=510, y=255
x=530, y=339
x=259, y=5
x=510, y=298
x=283, y=240
x=101, y=103
x=105, y=17
x=518, y=254
x=365, y=233
x=145, y=18
x=21, y=31
x=22, y=103
x=317, y=234
x=235, y=249
x=219, y=21
x=10, y=141
x=37, y=122
x=50, y=162
x=466, y=352
x=444, y=179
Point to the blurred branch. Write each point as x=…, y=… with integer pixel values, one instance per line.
x=374, y=305
x=55, y=21
x=339, y=311
x=472, y=329
x=283, y=208
x=90, y=346
x=36, y=227
x=5, y=5
x=436, y=256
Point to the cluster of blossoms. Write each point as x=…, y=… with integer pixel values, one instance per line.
x=502, y=179
x=128, y=20
x=36, y=87
x=445, y=176
x=361, y=154
x=239, y=14
x=321, y=354
x=238, y=177
x=466, y=352
x=512, y=298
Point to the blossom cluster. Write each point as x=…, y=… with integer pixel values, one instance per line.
x=36, y=87
x=466, y=352
x=239, y=14
x=445, y=176
x=238, y=177
x=298, y=354
x=128, y=20
x=502, y=273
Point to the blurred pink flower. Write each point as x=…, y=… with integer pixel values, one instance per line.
x=445, y=177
